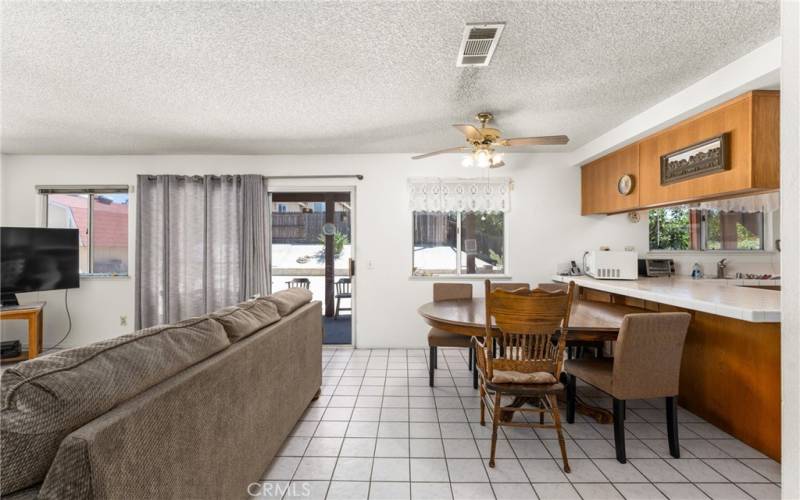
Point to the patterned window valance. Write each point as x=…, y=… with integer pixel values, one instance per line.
x=767, y=203
x=450, y=195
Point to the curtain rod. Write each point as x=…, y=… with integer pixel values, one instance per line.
x=357, y=176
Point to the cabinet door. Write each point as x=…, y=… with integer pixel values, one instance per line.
x=752, y=123
x=599, y=194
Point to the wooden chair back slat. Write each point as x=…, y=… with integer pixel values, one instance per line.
x=526, y=320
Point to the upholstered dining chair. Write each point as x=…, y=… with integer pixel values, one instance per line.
x=440, y=338
x=531, y=365
x=646, y=365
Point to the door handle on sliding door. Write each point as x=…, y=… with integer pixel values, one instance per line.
x=351, y=267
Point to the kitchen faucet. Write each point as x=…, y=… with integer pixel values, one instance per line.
x=721, y=265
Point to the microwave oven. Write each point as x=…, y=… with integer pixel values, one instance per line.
x=611, y=265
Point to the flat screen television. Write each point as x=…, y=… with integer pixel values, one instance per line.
x=34, y=259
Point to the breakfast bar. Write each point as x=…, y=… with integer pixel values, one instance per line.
x=730, y=371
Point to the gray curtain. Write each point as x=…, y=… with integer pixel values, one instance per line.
x=201, y=244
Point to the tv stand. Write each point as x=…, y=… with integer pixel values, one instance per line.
x=34, y=314
x=9, y=299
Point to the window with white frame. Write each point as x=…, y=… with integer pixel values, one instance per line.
x=100, y=214
x=746, y=224
x=459, y=226
x=459, y=243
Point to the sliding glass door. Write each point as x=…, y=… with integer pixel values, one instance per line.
x=312, y=247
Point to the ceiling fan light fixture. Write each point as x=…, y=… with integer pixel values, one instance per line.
x=483, y=158
x=468, y=161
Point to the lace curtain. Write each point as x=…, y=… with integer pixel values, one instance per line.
x=766, y=203
x=450, y=195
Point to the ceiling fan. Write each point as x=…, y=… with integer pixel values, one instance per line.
x=483, y=141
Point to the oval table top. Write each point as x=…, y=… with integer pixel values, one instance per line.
x=589, y=320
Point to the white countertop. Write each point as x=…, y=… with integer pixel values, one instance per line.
x=721, y=297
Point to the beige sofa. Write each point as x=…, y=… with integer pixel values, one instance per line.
x=192, y=410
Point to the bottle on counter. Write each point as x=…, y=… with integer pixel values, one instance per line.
x=697, y=271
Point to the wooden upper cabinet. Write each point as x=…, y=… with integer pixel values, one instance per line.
x=599, y=194
x=752, y=124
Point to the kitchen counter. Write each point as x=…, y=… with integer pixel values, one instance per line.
x=723, y=297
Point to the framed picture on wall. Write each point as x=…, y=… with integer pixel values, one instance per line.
x=703, y=158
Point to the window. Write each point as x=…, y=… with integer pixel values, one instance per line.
x=101, y=217
x=458, y=243
x=684, y=228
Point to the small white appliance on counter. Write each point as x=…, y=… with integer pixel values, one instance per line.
x=611, y=265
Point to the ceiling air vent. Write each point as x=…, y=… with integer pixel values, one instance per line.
x=478, y=44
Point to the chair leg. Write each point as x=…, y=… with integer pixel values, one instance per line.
x=431, y=365
x=474, y=370
x=495, y=420
x=542, y=407
x=672, y=427
x=336, y=312
x=557, y=420
x=469, y=362
x=482, y=394
x=571, y=395
x=619, y=429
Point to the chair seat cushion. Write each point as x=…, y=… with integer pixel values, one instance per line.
x=525, y=389
x=596, y=372
x=441, y=338
x=514, y=377
x=344, y=295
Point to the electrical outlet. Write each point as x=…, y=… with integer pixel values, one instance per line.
x=123, y=320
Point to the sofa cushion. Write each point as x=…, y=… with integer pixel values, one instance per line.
x=289, y=300
x=246, y=318
x=44, y=399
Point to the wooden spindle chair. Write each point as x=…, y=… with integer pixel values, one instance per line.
x=524, y=321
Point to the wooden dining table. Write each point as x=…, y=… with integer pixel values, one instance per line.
x=589, y=321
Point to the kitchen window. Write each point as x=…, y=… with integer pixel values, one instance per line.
x=101, y=216
x=708, y=229
x=459, y=243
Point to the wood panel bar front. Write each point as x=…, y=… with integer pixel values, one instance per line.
x=731, y=377
x=730, y=372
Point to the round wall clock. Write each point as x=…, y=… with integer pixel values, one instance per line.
x=625, y=185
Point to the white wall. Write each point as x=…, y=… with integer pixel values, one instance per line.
x=790, y=256
x=545, y=228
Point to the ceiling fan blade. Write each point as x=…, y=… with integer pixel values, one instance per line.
x=535, y=141
x=470, y=132
x=442, y=151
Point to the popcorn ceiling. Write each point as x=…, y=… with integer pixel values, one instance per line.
x=345, y=77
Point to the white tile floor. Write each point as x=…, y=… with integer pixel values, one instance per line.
x=379, y=432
